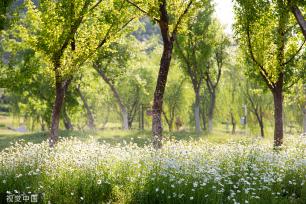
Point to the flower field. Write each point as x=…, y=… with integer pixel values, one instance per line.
x=248, y=171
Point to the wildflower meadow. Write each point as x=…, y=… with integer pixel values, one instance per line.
x=246, y=171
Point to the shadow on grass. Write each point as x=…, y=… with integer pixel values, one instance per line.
x=114, y=137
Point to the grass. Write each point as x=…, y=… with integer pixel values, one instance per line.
x=184, y=171
x=114, y=166
x=9, y=137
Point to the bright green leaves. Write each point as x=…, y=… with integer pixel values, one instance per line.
x=268, y=35
x=51, y=26
x=178, y=11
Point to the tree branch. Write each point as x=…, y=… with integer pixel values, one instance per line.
x=295, y=54
x=299, y=17
x=73, y=29
x=174, y=32
x=97, y=4
x=262, y=70
x=142, y=10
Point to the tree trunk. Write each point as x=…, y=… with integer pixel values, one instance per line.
x=90, y=118
x=304, y=119
x=203, y=114
x=168, y=121
x=42, y=124
x=125, y=124
x=124, y=114
x=211, y=110
x=67, y=122
x=157, y=128
x=130, y=122
x=278, y=116
x=204, y=121
x=262, y=131
x=233, y=123
x=60, y=88
x=170, y=126
x=260, y=122
x=197, y=112
x=304, y=110
x=299, y=18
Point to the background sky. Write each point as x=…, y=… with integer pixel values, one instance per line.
x=225, y=14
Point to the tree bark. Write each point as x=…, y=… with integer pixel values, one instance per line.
x=278, y=116
x=67, y=122
x=197, y=112
x=124, y=114
x=90, y=118
x=168, y=39
x=159, y=94
x=211, y=110
x=60, y=88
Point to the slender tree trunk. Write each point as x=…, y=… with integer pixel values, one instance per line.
x=278, y=116
x=211, y=110
x=262, y=131
x=260, y=122
x=42, y=124
x=168, y=121
x=197, y=111
x=299, y=18
x=130, y=122
x=157, y=128
x=233, y=123
x=170, y=125
x=67, y=122
x=304, y=110
x=204, y=121
x=125, y=124
x=60, y=88
x=304, y=119
x=124, y=113
x=33, y=124
x=203, y=114
x=90, y=118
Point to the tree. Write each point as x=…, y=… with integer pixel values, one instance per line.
x=89, y=114
x=111, y=65
x=136, y=88
x=169, y=15
x=66, y=34
x=271, y=41
x=212, y=74
x=173, y=101
x=193, y=48
x=258, y=102
x=26, y=82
